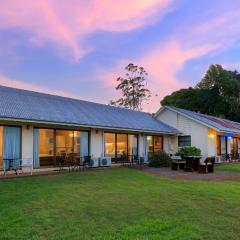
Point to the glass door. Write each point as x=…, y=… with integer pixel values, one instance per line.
x=46, y=147
x=122, y=148
x=64, y=142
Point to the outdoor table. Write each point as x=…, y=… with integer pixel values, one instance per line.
x=10, y=167
x=178, y=164
x=192, y=163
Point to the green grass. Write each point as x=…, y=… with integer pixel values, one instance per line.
x=118, y=204
x=232, y=167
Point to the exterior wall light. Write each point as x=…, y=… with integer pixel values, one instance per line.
x=211, y=136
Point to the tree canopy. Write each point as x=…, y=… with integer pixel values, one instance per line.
x=133, y=88
x=218, y=94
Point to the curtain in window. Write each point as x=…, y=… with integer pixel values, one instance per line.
x=84, y=144
x=36, y=162
x=11, y=146
x=223, y=145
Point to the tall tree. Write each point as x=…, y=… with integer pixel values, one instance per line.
x=218, y=93
x=133, y=88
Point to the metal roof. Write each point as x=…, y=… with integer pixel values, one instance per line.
x=220, y=124
x=18, y=104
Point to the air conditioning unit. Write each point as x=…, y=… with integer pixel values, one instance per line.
x=95, y=162
x=105, y=161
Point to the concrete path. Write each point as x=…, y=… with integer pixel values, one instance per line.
x=180, y=174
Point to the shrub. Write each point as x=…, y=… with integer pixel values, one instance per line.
x=160, y=159
x=189, y=151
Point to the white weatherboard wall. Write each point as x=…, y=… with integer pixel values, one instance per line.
x=197, y=131
x=170, y=144
x=27, y=142
x=212, y=142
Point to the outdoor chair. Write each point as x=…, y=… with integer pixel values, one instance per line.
x=177, y=163
x=141, y=161
x=123, y=160
x=87, y=162
x=69, y=161
x=61, y=161
x=135, y=159
x=80, y=163
x=207, y=166
x=11, y=164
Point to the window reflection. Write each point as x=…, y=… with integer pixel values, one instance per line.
x=150, y=144
x=158, y=143
x=132, y=147
x=46, y=146
x=154, y=145
x=121, y=147
x=58, y=144
x=110, y=146
x=64, y=142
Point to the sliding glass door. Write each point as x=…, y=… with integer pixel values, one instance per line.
x=122, y=149
x=110, y=145
x=64, y=142
x=121, y=146
x=132, y=147
x=154, y=145
x=55, y=144
x=149, y=146
x=46, y=147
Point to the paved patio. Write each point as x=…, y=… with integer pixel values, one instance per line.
x=164, y=172
x=180, y=174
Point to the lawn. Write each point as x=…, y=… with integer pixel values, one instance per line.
x=232, y=167
x=118, y=204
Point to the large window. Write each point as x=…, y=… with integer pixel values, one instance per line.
x=132, y=147
x=110, y=145
x=122, y=150
x=121, y=147
x=1, y=144
x=154, y=145
x=184, y=141
x=150, y=144
x=158, y=143
x=64, y=142
x=46, y=147
x=54, y=144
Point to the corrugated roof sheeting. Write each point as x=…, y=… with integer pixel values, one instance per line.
x=220, y=124
x=22, y=104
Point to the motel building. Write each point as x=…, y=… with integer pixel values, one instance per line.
x=41, y=128
x=214, y=136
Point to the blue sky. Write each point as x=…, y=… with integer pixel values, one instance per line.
x=78, y=48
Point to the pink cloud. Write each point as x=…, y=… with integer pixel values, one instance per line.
x=163, y=63
x=166, y=59
x=66, y=23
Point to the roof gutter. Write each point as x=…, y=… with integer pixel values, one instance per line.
x=22, y=120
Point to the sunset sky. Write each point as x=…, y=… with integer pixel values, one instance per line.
x=77, y=48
